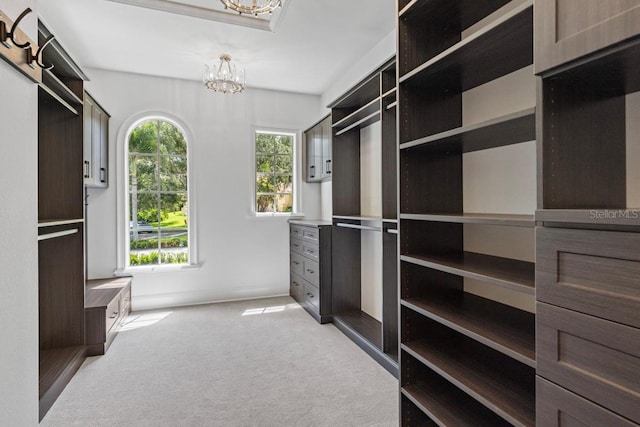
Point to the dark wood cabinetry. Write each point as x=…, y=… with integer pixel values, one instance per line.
x=568, y=29
x=310, y=262
x=466, y=359
x=360, y=232
x=107, y=304
x=317, y=151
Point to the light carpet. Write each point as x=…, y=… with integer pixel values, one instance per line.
x=250, y=363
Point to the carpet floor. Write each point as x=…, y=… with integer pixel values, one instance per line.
x=250, y=363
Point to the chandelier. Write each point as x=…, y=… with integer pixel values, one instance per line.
x=252, y=7
x=226, y=78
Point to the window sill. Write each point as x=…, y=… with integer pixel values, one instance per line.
x=285, y=216
x=152, y=269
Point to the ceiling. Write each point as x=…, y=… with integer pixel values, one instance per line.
x=302, y=48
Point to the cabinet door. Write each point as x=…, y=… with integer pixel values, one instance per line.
x=103, y=165
x=313, y=171
x=96, y=135
x=326, y=147
x=569, y=29
x=87, y=120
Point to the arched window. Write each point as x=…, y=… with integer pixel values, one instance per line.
x=157, y=194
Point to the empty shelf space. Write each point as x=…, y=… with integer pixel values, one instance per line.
x=363, y=324
x=55, y=97
x=500, y=388
x=449, y=406
x=503, y=328
x=506, y=130
x=54, y=83
x=506, y=272
x=358, y=115
x=504, y=46
x=510, y=220
x=362, y=123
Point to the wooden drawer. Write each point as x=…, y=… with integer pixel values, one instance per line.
x=595, y=358
x=312, y=295
x=296, y=246
x=296, y=287
x=295, y=231
x=594, y=272
x=309, y=233
x=311, y=250
x=112, y=314
x=311, y=272
x=557, y=407
x=297, y=263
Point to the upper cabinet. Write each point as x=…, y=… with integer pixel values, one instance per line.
x=317, y=141
x=570, y=29
x=96, y=144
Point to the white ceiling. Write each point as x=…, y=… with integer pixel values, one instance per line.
x=313, y=39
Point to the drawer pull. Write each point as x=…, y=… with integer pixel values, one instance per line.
x=311, y=252
x=296, y=284
x=310, y=295
x=113, y=315
x=296, y=262
x=310, y=271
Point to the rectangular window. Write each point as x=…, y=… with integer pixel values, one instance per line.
x=274, y=160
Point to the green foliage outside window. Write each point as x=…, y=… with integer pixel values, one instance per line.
x=274, y=172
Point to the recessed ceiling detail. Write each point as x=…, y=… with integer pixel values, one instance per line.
x=212, y=10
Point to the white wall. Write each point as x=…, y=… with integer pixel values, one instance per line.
x=18, y=234
x=241, y=256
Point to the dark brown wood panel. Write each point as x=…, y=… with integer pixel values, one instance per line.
x=595, y=358
x=557, y=407
x=346, y=274
x=365, y=325
x=389, y=164
x=441, y=400
x=412, y=416
x=56, y=368
x=346, y=174
x=584, y=146
x=390, y=293
x=595, y=272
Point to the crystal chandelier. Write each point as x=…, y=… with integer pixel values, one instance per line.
x=226, y=78
x=252, y=7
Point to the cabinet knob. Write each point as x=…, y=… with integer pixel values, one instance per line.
x=310, y=271
x=310, y=295
x=113, y=315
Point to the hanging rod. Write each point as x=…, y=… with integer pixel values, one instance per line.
x=357, y=227
x=57, y=234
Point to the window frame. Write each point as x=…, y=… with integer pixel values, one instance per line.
x=296, y=210
x=123, y=208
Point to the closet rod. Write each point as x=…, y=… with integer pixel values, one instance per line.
x=392, y=230
x=357, y=227
x=57, y=234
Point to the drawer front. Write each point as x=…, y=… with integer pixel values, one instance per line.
x=312, y=295
x=311, y=250
x=311, y=234
x=125, y=302
x=311, y=272
x=295, y=231
x=594, y=272
x=557, y=407
x=592, y=357
x=297, y=263
x=112, y=314
x=296, y=287
x=296, y=246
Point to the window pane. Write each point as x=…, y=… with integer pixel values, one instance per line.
x=284, y=202
x=144, y=138
x=174, y=238
x=143, y=173
x=283, y=164
x=284, y=184
x=265, y=183
x=143, y=231
x=284, y=145
x=173, y=173
x=265, y=143
x=265, y=203
x=265, y=163
x=171, y=140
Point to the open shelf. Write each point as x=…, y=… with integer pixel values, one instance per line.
x=502, y=388
x=361, y=123
x=362, y=94
x=56, y=367
x=365, y=325
x=54, y=83
x=358, y=115
x=55, y=97
x=464, y=12
x=506, y=130
x=503, y=328
x=442, y=401
x=506, y=272
x=497, y=49
x=510, y=220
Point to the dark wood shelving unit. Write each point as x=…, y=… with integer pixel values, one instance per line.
x=441, y=401
x=503, y=328
x=360, y=107
x=505, y=272
x=465, y=359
